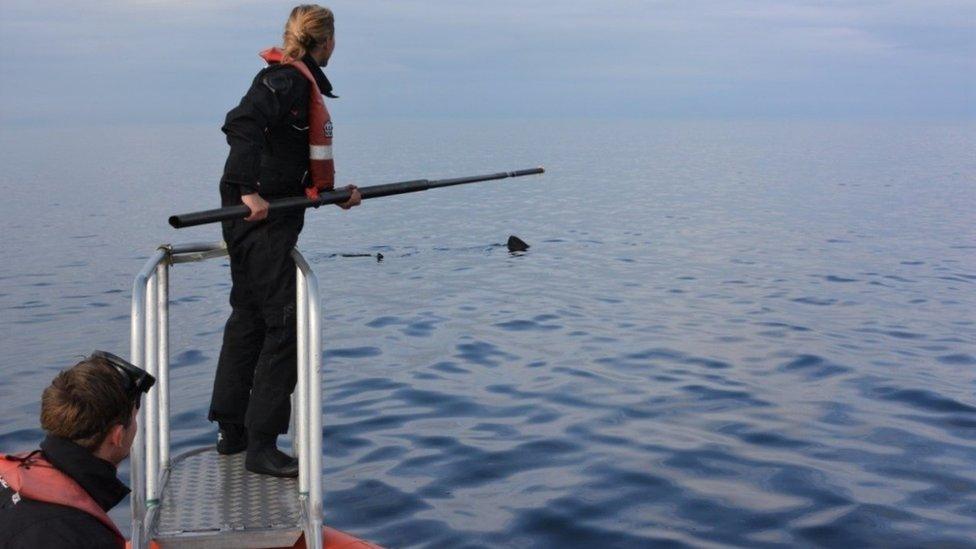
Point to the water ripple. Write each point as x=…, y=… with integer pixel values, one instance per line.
x=701, y=348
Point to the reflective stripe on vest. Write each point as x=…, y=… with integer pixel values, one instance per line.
x=33, y=477
x=320, y=152
x=321, y=167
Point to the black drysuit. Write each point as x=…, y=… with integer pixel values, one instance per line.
x=30, y=524
x=268, y=137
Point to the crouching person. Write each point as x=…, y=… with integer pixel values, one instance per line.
x=60, y=495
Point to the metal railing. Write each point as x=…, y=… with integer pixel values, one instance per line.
x=150, y=456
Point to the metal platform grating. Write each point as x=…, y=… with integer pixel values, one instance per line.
x=210, y=500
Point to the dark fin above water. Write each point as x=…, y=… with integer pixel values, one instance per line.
x=516, y=244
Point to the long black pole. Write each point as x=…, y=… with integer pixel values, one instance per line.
x=336, y=197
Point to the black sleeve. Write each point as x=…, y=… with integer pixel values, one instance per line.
x=266, y=103
x=68, y=531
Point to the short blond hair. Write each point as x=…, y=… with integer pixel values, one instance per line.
x=308, y=26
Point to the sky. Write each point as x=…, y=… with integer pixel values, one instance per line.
x=148, y=61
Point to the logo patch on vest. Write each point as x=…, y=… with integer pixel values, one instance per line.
x=328, y=129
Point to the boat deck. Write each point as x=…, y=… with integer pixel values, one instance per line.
x=210, y=500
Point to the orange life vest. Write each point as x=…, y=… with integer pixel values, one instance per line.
x=320, y=164
x=33, y=477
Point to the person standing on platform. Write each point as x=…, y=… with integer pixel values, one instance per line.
x=280, y=138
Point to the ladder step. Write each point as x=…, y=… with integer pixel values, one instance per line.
x=210, y=500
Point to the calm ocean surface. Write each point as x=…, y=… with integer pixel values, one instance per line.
x=748, y=334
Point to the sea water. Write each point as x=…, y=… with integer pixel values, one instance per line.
x=725, y=333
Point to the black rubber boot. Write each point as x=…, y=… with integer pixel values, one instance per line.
x=231, y=439
x=264, y=457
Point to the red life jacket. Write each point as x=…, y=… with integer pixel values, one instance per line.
x=320, y=164
x=33, y=477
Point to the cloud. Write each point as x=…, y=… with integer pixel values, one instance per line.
x=109, y=59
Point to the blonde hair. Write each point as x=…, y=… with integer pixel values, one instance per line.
x=308, y=26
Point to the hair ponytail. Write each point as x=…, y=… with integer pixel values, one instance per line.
x=308, y=26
